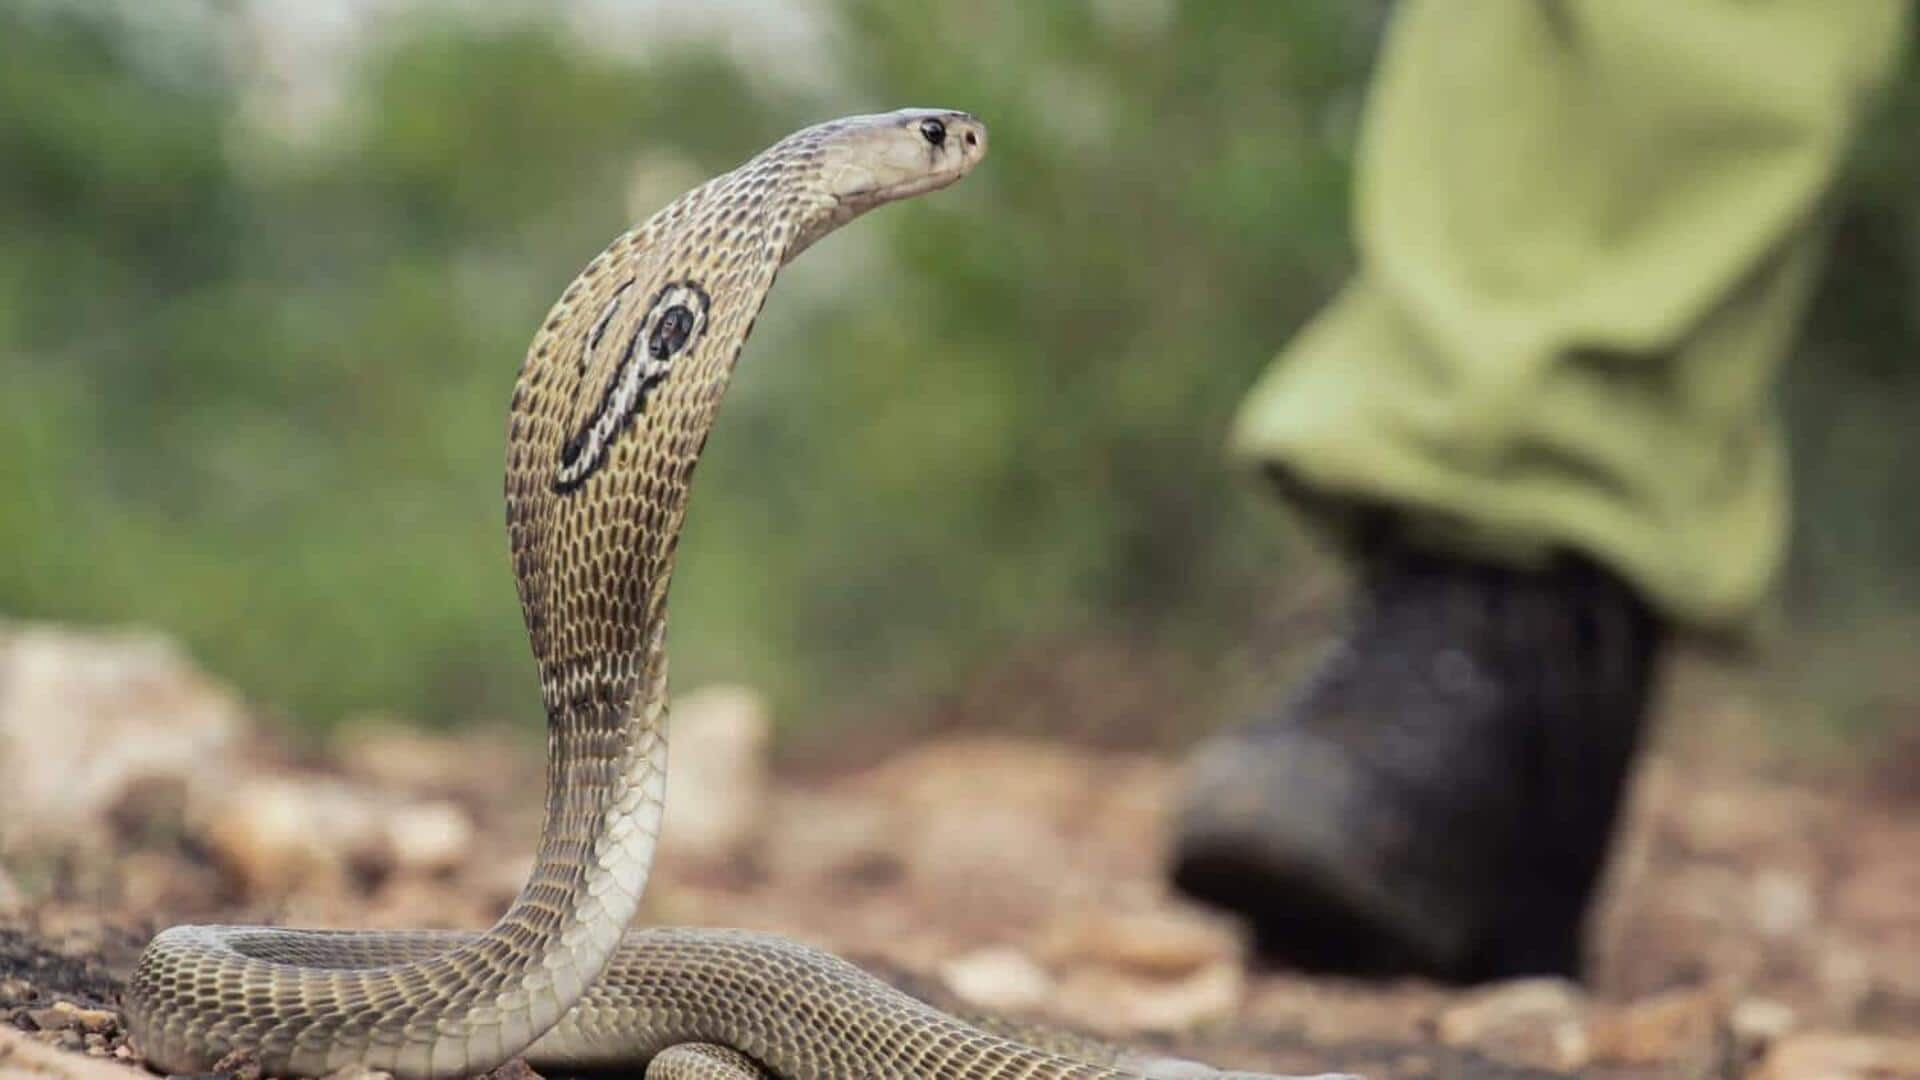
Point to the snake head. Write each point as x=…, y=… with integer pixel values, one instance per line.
x=861, y=162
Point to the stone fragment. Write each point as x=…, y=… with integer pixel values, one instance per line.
x=239, y=1065
x=1117, y=1002
x=717, y=787
x=431, y=837
x=1538, y=1023
x=1828, y=1055
x=1163, y=943
x=280, y=833
x=86, y=716
x=1755, y=1024
x=999, y=978
x=65, y=1015
x=275, y=834
x=24, y=1058
x=1675, y=1029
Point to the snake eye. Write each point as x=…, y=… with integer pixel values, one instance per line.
x=933, y=131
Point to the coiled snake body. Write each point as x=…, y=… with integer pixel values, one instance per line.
x=608, y=418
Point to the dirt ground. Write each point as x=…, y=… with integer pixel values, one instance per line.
x=1754, y=925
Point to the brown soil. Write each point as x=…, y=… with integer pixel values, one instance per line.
x=1742, y=912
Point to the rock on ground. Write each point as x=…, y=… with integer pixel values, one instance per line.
x=1826, y=1055
x=717, y=783
x=1533, y=1022
x=22, y=1057
x=278, y=833
x=999, y=978
x=86, y=716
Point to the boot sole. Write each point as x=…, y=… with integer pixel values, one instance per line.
x=1307, y=913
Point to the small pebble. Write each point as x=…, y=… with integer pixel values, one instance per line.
x=50, y=1019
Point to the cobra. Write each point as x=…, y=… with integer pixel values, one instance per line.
x=609, y=417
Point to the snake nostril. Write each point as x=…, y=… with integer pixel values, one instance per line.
x=972, y=139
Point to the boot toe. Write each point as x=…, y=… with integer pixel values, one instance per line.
x=1286, y=831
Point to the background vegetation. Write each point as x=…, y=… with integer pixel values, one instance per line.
x=252, y=375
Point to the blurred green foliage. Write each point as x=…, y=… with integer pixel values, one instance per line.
x=252, y=387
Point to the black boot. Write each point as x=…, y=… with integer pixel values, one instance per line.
x=1438, y=798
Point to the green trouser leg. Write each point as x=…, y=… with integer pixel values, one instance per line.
x=1588, y=230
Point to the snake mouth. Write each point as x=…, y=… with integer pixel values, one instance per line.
x=866, y=197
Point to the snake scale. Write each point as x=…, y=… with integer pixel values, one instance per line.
x=609, y=416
